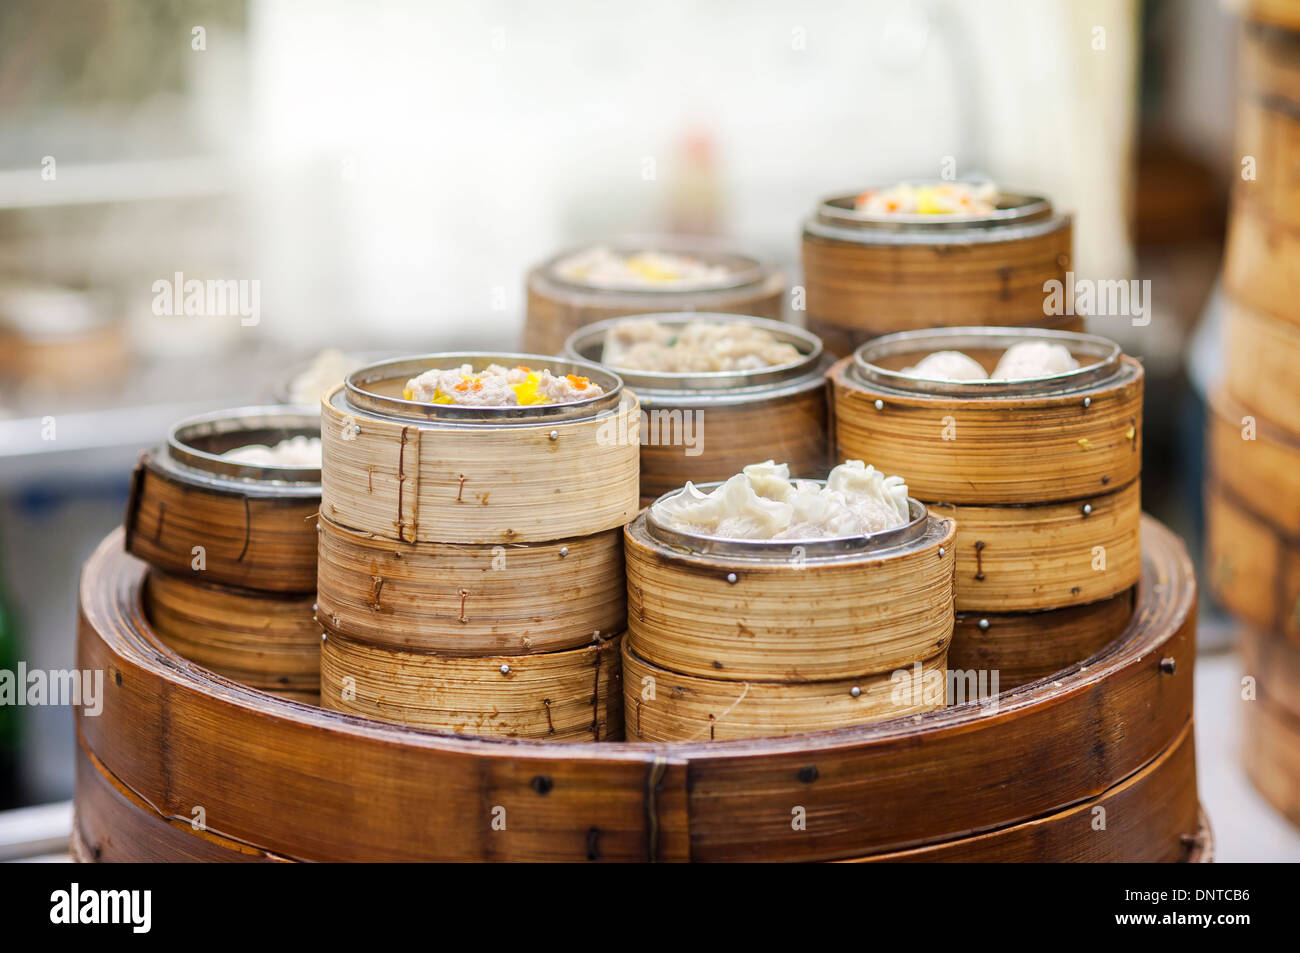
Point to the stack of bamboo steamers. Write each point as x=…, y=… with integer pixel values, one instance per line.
x=232, y=550
x=1253, y=490
x=1041, y=476
x=471, y=559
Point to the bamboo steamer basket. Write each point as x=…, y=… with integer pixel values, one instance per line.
x=1050, y=439
x=267, y=641
x=868, y=275
x=573, y=695
x=1268, y=462
x=739, y=416
x=256, y=525
x=1041, y=475
x=442, y=473
x=746, y=638
x=172, y=736
x=1268, y=131
x=1261, y=266
x=1262, y=366
x=1253, y=566
x=1022, y=647
x=463, y=599
x=1271, y=741
x=558, y=306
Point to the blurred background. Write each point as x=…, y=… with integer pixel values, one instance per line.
x=387, y=171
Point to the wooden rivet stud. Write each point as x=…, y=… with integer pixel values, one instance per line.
x=1168, y=665
x=1087, y=402
x=984, y=625
x=1087, y=509
x=541, y=784
x=732, y=578
x=855, y=691
x=808, y=774
x=564, y=551
x=555, y=435
x=880, y=405
x=505, y=669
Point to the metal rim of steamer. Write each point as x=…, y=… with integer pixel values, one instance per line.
x=355, y=396
x=1018, y=215
x=1105, y=353
x=181, y=457
x=845, y=547
x=712, y=386
x=742, y=270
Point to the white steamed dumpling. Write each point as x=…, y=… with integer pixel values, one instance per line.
x=1030, y=359
x=948, y=366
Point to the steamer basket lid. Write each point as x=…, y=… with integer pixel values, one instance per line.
x=788, y=549
x=371, y=389
x=1099, y=358
x=587, y=342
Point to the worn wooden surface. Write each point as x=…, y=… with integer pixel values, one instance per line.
x=304, y=783
x=989, y=450
x=253, y=541
x=1255, y=461
x=555, y=311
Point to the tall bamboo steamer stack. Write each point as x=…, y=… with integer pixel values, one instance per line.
x=1041, y=476
x=233, y=549
x=173, y=736
x=470, y=566
x=704, y=427
x=744, y=638
x=559, y=306
x=1252, y=498
x=868, y=275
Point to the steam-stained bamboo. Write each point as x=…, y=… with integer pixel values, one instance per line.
x=669, y=706
x=572, y=695
x=265, y=640
x=464, y=599
x=175, y=737
x=1024, y=646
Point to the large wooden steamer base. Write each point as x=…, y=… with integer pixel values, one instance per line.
x=280, y=780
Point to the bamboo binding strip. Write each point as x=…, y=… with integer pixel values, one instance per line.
x=412, y=475
x=708, y=427
x=1013, y=446
x=174, y=736
x=264, y=640
x=557, y=308
x=573, y=695
x=866, y=277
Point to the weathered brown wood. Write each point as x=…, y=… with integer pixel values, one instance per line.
x=668, y=706
x=989, y=450
x=480, y=484
x=1047, y=555
x=248, y=539
x=858, y=291
x=1261, y=372
x=1253, y=568
x=267, y=641
x=463, y=599
x=789, y=619
x=1025, y=646
x=555, y=310
x=178, y=736
x=1152, y=816
x=570, y=695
